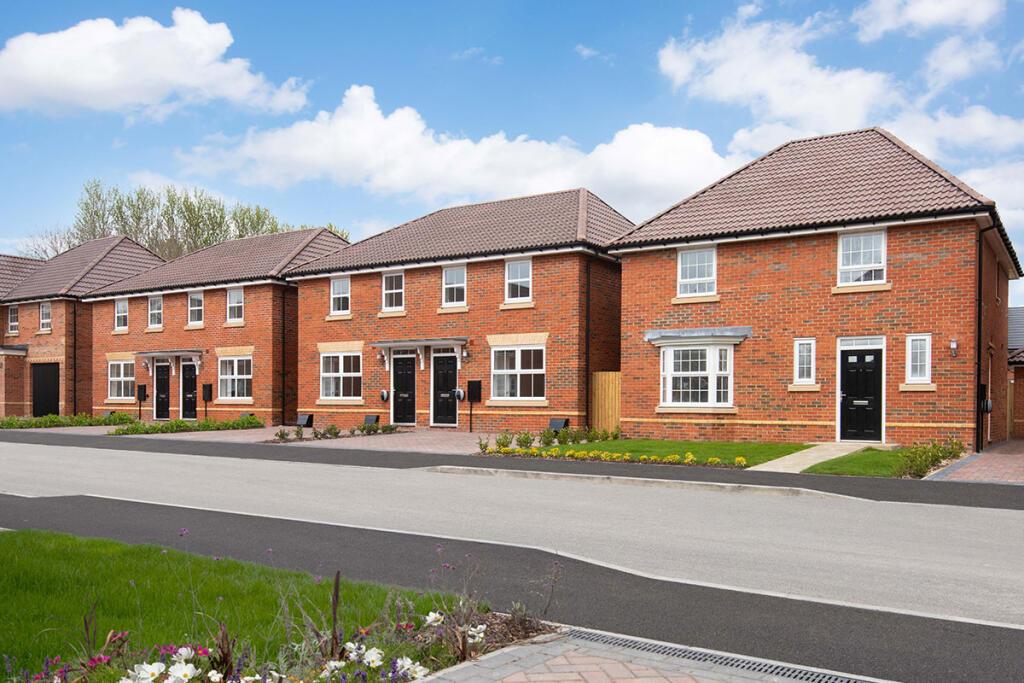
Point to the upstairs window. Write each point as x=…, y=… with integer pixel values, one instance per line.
x=394, y=291
x=12, y=320
x=156, y=311
x=518, y=280
x=121, y=314
x=862, y=258
x=236, y=305
x=919, y=359
x=341, y=375
x=340, y=300
x=517, y=372
x=453, y=286
x=696, y=274
x=803, y=361
x=44, y=316
x=696, y=376
x=121, y=379
x=195, y=308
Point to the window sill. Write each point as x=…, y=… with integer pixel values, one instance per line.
x=515, y=305
x=918, y=387
x=701, y=299
x=804, y=387
x=120, y=401
x=340, y=402
x=339, y=316
x=233, y=402
x=43, y=332
x=153, y=329
x=235, y=323
x=854, y=289
x=392, y=314
x=195, y=326
x=453, y=309
x=697, y=410
x=119, y=332
x=11, y=334
x=516, y=403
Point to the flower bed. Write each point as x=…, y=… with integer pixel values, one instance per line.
x=82, y=420
x=172, y=426
x=556, y=453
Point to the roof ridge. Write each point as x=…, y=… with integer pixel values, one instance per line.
x=507, y=199
x=23, y=258
x=276, y=270
x=934, y=167
x=92, y=264
x=582, y=218
x=612, y=209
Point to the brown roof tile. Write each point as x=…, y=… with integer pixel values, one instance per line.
x=506, y=225
x=14, y=269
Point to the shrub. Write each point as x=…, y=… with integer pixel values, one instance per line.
x=80, y=420
x=332, y=431
x=388, y=429
x=616, y=433
x=919, y=459
x=482, y=442
x=564, y=436
x=282, y=434
x=352, y=431
x=369, y=428
x=317, y=434
x=575, y=435
x=298, y=432
x=524, y=439
x=547, y=436
x=503, y=440
x=171, y=426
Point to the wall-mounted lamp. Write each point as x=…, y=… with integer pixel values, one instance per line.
x=465, y=353
x=384, y=395
x=952, y=347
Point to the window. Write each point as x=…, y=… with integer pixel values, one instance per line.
x=517, y=372
x=341, y=375
x=696, y=272
x=44, y=316
x=340, y=300
x=394, y=291
x=235, y=375
x=156, y=311
x=195, y=308
x=121, y=314
x=803, y=361
x=696, y=376
x=453, y=286
x=518, y=280
x=919, y=359
x=12, y=320
x=861, y=258
x=236, y=305
x=121, y=379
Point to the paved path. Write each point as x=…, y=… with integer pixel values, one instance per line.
x=1002, y=464
x=417, y=441
x=801, y=460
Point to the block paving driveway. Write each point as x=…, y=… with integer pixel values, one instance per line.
x=1002, y=464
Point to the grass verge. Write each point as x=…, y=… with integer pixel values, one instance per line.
x=871, y=462
x=666, y=452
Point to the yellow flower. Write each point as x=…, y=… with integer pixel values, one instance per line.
x=740, y=461
x=714, y=461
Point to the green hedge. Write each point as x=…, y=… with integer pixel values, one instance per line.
x=207, y=425
x=82, y=420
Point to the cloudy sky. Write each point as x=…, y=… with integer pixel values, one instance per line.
x=369, y=114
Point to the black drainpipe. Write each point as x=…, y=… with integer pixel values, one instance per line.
x=586, y=353
x=284, y=350
x=979, y=418
x=74, y=356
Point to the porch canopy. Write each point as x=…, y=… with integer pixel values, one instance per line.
x=419, y=344
x=149, y=357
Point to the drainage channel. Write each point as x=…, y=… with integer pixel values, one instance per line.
x=749, y=664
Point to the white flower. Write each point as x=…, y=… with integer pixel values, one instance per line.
x=214, y=676
x=434, y=619
x=329, y=668
x=374, y=657
x=476, y=633
x=273, y=676
x=353, y=651
x=251, y=679
x=419, y=671
x=403, y=664
x=128, y=679
x=183, y=654
x=183, y=672
x=149, y=672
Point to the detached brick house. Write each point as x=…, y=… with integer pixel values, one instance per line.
x=223, y=315
x=518, y=294
x=45, y=360
x=837, y=288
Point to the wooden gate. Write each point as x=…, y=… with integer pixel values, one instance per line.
x=604, y=400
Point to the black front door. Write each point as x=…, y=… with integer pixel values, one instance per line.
x=188, y=391
x=162, y=398
x=404, y=384
x=860, y=409
x=444, y=390
x=45, y=389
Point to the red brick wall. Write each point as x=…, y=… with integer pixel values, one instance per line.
x=558, y=282
x=782, y=288
x=262, y=330
x=994, y=340
x=605, y=315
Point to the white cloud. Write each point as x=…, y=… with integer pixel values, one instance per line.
x=1004, y=183
x=758, y=139
x=955, y=59
x=477, y=53
x=641, y=170
x=877, y=17
x=139, y=66
x=976, y=128
x=761, y=65
x=158, y=182
x=586, y=52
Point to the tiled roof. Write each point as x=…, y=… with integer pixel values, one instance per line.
x=1016, y=319
x=1017, y=357
x=859, y=176
x=540, y=221
x=14, y=269
x=248, y=258
x=95, y=263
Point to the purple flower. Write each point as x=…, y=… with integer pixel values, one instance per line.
x=183, y=532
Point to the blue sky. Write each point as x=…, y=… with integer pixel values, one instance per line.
x=368, y=114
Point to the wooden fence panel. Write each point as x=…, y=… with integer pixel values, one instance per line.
x=605, y=389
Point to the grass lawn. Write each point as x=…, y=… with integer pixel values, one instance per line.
x=50, y=581
x=871, y=462
x=755, y=453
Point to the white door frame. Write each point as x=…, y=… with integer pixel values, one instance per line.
x=853, y=343
x=407, y=353
x=454, y=352
x=170, y=368
x=181, y=388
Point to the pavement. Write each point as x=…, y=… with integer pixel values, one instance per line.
x=1002, y=464
x=801, y=460
x=444, y=441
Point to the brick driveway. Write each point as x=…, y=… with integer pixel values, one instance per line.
x=1002, y=464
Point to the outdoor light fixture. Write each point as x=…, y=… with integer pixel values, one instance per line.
x=952, y=347
x=465, y=353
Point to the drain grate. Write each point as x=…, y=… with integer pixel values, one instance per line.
x=786, y=671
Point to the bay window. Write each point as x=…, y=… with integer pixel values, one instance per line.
x=696, y=376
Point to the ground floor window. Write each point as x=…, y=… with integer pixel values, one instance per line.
x=121, y=379
x=517, y=372
x=341, y=375
x=235, y=377
x=696, y=376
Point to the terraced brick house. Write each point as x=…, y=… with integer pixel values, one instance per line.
x=223, y=316
x=841, y=287
x=518, y=294
x=46, y=357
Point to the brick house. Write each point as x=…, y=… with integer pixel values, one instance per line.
x=223, y=316
x=841, y=287
x=518, y=294
x=45, y=360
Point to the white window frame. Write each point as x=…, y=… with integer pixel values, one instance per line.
x=12, y=320
x=518, y=371
x=117, y=303
x=235, y=376
x=228, y=305
x=192, y=308
x=336, y=297
x=121, y=380
x=341, y=374
x=697, y=281
x=712, y=372
x=797, y=343
x=840, y=268
x=445, y=286
x=927, y=338
x=45, y=323
x=384, y=291
x=159, y=312
x=528, y=280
